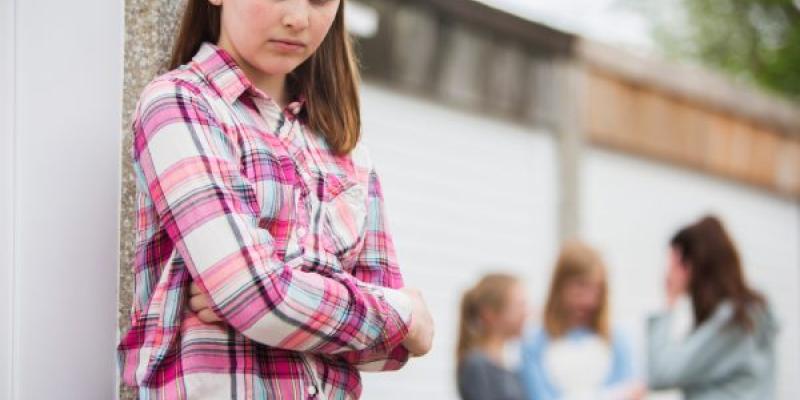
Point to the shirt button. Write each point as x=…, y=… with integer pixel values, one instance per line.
x=301, y=231
x=312, y=390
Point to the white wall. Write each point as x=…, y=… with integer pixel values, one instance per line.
x=66, y=137
x=6, y=192
x=464, y=195
x=630, y=209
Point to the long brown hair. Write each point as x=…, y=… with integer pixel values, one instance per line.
x=328, y=80
x=715, y=271
x=490, y=293
x=575, y=261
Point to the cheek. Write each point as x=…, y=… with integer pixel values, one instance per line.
x=320, y=23
x=515, y=315
x=672, y=263
x=678, y=272
x=675, y=260
x=248, y=22
x=571, y=296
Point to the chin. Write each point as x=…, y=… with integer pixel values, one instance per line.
x=278, y=65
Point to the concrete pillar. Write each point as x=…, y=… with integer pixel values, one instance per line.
x=568, y=103
x=557, y=97
x=149, y=30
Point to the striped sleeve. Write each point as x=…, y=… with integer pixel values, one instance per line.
x=192, y=172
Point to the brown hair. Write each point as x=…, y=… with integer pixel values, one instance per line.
x=491, y=293
x=576, y=260
x=328, y=80
x=716, y=272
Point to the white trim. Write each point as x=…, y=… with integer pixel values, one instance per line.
x=122, y=29
x=7, y=197
x=81, y=137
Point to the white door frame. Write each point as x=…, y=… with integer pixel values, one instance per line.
x=7, y=195
x=59, y=196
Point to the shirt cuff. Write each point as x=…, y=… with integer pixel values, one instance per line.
x=393, y=361
x=398, y=325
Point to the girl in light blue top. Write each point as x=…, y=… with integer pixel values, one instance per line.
x=575, y=355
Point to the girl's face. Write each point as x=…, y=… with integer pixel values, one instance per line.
x=273, y=37
x=678, y=273
x=510, y=321
x=582, y=296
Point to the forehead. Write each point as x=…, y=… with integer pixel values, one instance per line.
x=588, y=275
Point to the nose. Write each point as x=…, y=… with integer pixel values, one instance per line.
x=296, y=15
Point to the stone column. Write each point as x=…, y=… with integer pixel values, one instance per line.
x=569, y=113
x=557, y=87
x=149, y=28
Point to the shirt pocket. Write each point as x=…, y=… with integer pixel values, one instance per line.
x=344, y=215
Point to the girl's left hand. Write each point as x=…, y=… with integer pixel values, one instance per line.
x=200, y=303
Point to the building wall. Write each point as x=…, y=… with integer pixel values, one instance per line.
x=465, y=195
x=632, y=206
x=60, y=113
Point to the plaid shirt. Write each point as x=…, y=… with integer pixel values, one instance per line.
x=288, y=240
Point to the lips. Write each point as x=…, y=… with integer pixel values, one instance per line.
x=288, y=44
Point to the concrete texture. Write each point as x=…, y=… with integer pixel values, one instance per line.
x=149, y=29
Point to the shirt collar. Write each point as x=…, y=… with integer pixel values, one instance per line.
x=221, y=71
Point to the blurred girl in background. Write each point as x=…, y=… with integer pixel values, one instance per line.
x=575, y=354
x=730, y=351
x=493, y=313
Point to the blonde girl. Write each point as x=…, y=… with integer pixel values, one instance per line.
x=575, y=354
x=493, y=312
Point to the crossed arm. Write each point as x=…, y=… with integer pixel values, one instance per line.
x=193, y=178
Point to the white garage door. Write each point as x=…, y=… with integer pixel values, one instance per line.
x=464, y=194
x=632, y=207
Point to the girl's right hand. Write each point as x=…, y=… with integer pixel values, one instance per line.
x=420, y=334
x=200, y=303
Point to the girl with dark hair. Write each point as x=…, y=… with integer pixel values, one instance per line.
x=264, y=266
x=729, y=353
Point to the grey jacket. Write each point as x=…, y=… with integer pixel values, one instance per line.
x=717, y=360
x=479, y=378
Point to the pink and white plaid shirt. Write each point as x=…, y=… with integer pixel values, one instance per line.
x=289, y=241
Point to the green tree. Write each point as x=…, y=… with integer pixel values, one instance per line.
x=758, y=40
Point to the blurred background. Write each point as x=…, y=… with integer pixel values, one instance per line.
x=500, y=128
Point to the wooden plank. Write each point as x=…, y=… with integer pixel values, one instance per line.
x=655, y=124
